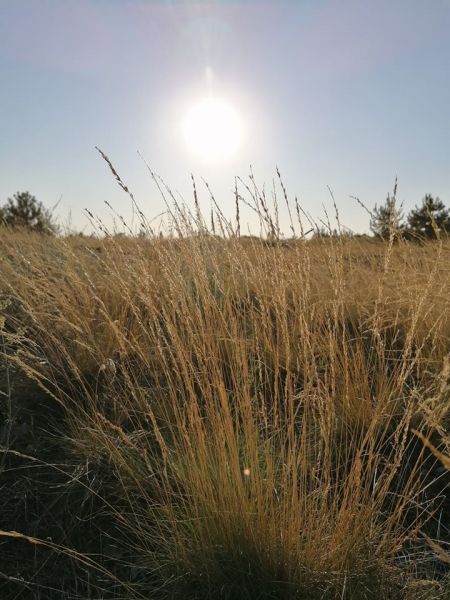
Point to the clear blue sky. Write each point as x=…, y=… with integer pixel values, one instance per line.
x=342, y=93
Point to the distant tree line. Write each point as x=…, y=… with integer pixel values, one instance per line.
x=427, y=221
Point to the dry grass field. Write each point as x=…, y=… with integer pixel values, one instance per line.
x=205, y=417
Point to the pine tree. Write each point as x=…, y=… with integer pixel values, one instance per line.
x=430, y=219
x=387, y=219
x=23, y=210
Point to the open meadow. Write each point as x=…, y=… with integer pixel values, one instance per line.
x=224, y=344
x=204, y=417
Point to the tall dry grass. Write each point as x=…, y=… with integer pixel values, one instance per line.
x=260, y=405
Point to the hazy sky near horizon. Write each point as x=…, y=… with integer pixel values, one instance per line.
x=341, y=93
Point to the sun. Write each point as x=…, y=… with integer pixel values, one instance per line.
x=212, y=130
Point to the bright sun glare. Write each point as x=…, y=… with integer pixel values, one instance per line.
x=212, y=130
